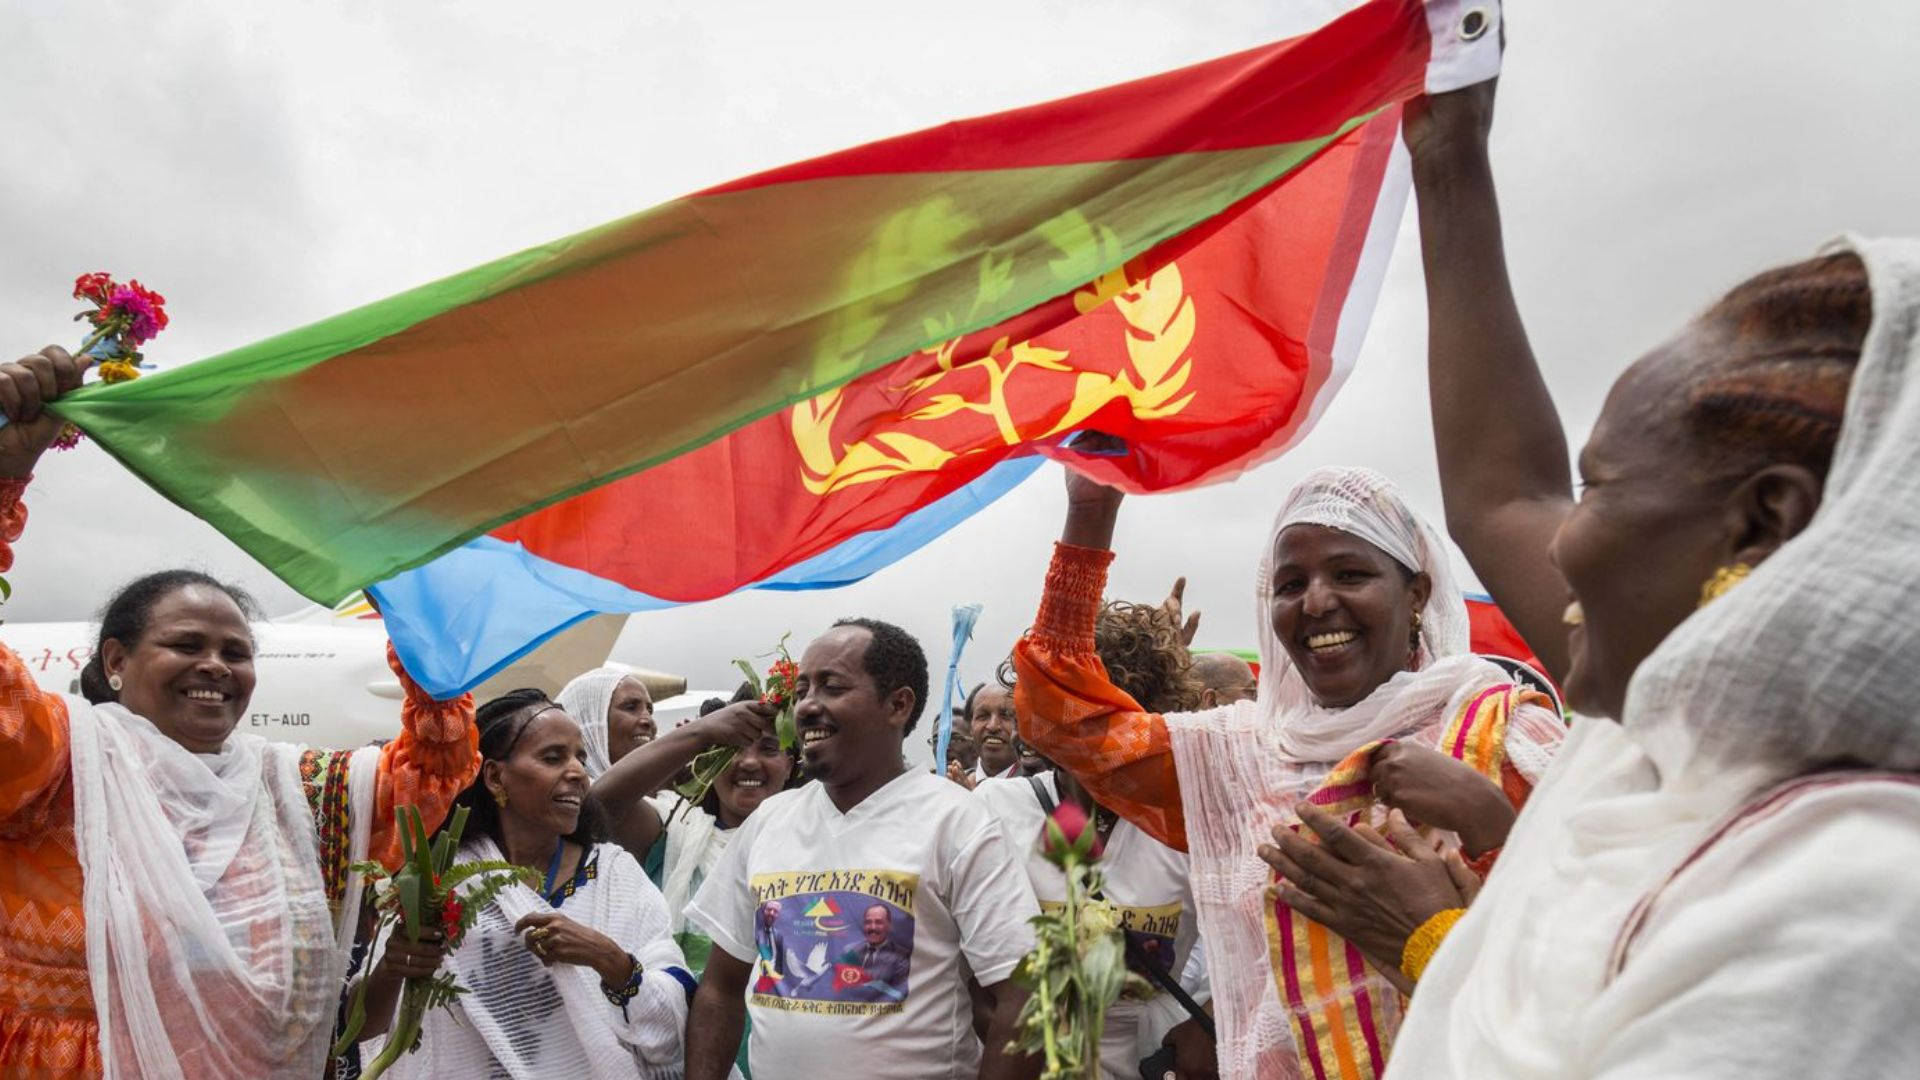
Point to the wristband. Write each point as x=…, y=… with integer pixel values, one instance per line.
x=1425, y=941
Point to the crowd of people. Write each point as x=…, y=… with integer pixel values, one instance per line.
x=1375, y=854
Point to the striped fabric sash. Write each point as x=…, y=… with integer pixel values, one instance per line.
x=1343, y=1025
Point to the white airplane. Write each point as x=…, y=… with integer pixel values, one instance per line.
x=321, y=676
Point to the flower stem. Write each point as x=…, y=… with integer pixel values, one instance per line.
x=406, y=1029
x=94, y=338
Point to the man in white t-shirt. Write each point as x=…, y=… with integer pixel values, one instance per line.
x=1148, y=884
x=847, y=915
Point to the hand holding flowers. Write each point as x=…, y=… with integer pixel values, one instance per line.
x=775, y=690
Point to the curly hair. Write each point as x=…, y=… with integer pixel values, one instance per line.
x=894, y=659
x=1786, y=343
x=1143, y=654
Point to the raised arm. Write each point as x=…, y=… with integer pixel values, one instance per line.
x=623, y=789
x=1069, y=710
x=435, y=757
x=34, y=747
x=1503, y=456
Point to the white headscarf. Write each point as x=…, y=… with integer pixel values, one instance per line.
x=1815, y=659
x=210, y=948
x=587, y=699
x=1243, y=766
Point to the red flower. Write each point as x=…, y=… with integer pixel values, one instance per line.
x=1064, y=830
x=96, y=287
x=780, y=679
x=450, y=920
x=142, y=308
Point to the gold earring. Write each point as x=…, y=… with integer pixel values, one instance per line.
x=1723, y=580
x=1413, y=636
x=501, y=798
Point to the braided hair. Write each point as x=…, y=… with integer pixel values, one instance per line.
x=503, y=722
x=1786, y=341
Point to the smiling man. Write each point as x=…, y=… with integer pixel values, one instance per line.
x=891, y=883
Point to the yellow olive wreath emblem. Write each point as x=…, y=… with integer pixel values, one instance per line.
x=1159, y=324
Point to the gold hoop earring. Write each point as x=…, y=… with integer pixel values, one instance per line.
x=1723, y=580
x=1413, y=635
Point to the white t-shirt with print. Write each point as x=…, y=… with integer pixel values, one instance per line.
x=1147, y=883
x=857, y=925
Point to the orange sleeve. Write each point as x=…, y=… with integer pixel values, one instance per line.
x=33, y=723
x=435, y=757
x=1072, y=713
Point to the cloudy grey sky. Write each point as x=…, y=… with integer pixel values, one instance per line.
x=268, y=164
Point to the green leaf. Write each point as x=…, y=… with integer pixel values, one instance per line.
x=787, y=728
x=710, y=763
x=356, y=1014
x=458, y=874
x=406, y=834
x=6, y=590
x=457, y=825
x=409, y=885
x=752, y=674
x=422, y=850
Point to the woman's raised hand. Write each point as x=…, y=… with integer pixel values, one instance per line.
x=742, y=723
x=27, y=385
x=1092, y=507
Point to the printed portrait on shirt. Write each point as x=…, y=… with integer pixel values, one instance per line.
x=834, y=942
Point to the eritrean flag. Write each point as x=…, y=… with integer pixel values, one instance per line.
x=820, y=368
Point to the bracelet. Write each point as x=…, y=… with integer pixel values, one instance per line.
x=1425, y=941
x=620, y=995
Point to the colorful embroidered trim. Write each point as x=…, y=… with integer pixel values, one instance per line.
x=323, y=773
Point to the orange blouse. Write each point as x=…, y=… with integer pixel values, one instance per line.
x=47, y=1025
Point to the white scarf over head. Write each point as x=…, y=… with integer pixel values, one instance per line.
x=588, y=699
x=1814, y=660
x=524, y=1019
x=210, y=949
x=695, y=842
x=1242, y=767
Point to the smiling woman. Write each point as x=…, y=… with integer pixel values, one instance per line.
x=207, y=868
x=579, y=978
x=1367, y=701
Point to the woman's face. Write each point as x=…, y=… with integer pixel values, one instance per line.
x=759, y=771
x=1649, y=528
x=543, y=783
x=994, y=726
x=1343, y=609
x=629, y=719
x=191, y=671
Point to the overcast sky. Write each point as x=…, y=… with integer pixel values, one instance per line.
x=266, y=164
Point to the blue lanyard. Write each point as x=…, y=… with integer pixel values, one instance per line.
x=553, y=870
